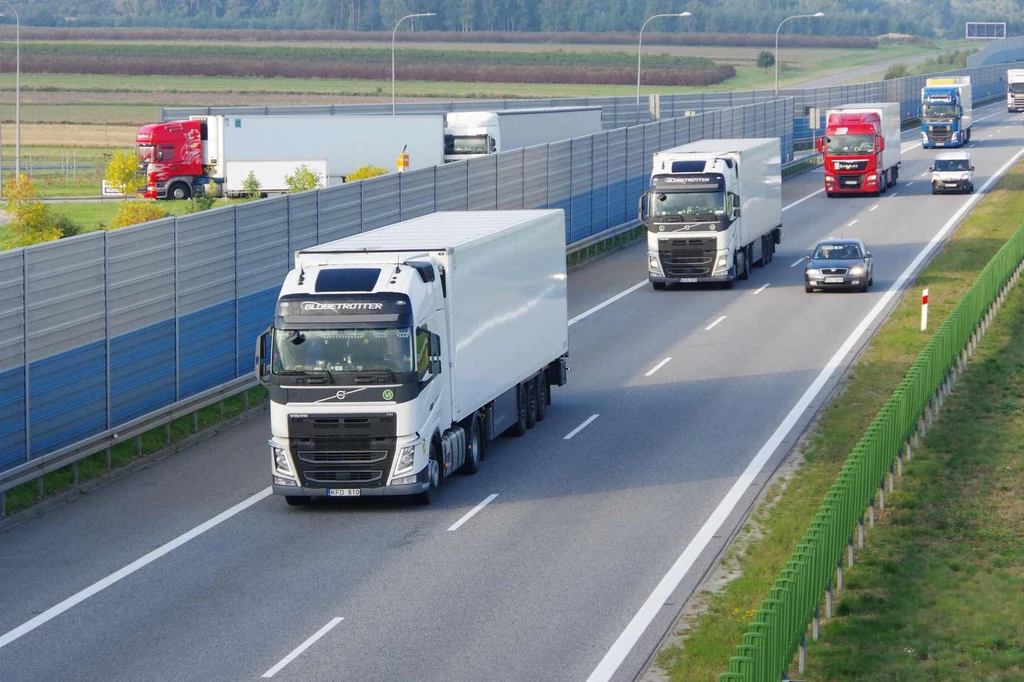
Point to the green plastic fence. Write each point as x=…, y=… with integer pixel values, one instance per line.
x=774, y=636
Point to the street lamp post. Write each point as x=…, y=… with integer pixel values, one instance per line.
x=639, y=49
x=393, y=34
x=795, y=16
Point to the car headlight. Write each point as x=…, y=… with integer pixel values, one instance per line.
x=281, y=462
x=857, y=270
x=812, y=272
x=406, y=458
x=964, y=176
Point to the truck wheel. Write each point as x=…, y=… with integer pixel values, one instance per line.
x=830, y=195
x=296, y=500
x=744, y=272
x=179, y=190
x=519, y=428
x=434, y=469
x=475, y=449
x=543, y=396
x=658, y=286
x=532, y=398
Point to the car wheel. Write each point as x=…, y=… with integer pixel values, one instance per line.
x=809, y=290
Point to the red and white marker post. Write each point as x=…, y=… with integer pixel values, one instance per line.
x=924, y=310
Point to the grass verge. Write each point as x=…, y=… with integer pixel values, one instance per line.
x=91, y=216
x=771, y=535
x=54, y=483
x=935, y=594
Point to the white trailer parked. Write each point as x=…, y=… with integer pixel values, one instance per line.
x=396, y=354
x=272, y=176
x=469, y=134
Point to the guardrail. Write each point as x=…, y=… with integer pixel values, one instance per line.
x=779, y=627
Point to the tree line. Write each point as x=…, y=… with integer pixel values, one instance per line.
x=861, y=18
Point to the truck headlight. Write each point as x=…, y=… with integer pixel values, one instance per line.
x=857, y=270
x=872, y=178
x=654, y=264
x=281, y=462
x=722, y=262
x=406, y=458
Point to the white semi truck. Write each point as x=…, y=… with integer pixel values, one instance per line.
x=1015, y=89
x=396, y=354
x=469, y=134
x=713, y=210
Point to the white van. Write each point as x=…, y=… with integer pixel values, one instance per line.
x=952, y=172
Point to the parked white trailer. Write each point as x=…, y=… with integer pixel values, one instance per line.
x=469, y=134
x=713, y=210
x=396, y=354
x=1015, y=89
x=272, y=176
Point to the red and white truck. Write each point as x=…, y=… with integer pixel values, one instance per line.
x=861, y=148
x=215, y=154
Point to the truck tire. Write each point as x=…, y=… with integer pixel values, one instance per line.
x=519, y=428
x=179, y=191
x=658, y=286
x=296, y=500
x=543, y=396
x=532, y=401
x=474, y=447
x=434, y=466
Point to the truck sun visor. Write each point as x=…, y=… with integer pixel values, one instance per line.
x=336, y=280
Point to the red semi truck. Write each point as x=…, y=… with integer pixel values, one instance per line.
x=861, y=148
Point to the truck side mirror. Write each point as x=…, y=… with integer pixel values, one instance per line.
x=641, y=207
x=735, y=205
x=263, y=357
x=972, y=169
x=881, y=143
x=931, y=169
x=435, y=354
x=820, y=145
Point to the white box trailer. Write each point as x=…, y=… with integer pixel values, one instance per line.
x=1015, y=89
x=271, y=175
x=345, y=142
x=470, y=134
x=713, y=210
x=430, y=336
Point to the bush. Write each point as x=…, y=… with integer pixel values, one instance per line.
x=364, y=172
x=136, y=211
x=200, y=202
x=303, y=179
x=122, y=172
x=251, y=186
x=31, y=221
x=896, y=71
x=67, y=226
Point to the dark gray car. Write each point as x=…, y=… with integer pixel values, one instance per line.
x=839, y=264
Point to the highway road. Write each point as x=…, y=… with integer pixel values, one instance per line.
x=598, y=524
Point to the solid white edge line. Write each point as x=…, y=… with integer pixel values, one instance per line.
x=472, y=512
x=763, y=287
x=714, y=324
x=581, y=427
x=302, y=647
x=658, y=366
x=103, y=584
x=668, y=584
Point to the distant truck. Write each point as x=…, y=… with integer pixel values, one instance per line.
x=713, y=210
x=946, y=112
x=861, y=148
x=214, y=154
x=396, y=354
x=470, y=134
x=1015, y=90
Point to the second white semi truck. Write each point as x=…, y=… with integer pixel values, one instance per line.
x=1015, y=90
x=396, y=354
x=469, y=134
x=713, y=210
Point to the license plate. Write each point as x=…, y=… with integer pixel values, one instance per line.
x=833, y=280
x=688, y=280
x=850, y=182
x=344, y=492
x=950, y=184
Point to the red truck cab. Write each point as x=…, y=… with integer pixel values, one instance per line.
x=171, y=156
x=852, y=154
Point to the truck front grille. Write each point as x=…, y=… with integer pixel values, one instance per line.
x=687, y=257
x=850, y=181
x=315, y=479
x=350, y=450
x=940, y=133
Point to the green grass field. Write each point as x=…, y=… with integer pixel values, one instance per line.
x=719, y=619
x=92, y=216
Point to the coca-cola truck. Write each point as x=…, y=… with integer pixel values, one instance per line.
x=861, y=148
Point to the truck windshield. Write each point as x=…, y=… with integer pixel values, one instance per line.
x=938, y=112
x=851, y=144
x=952, y=165
x=1016, y=88
x=146, y=153
x=342, y=350
x=689, y=205
x=465, y=144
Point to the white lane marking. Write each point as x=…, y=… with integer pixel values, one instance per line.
x=910, y=183
x=799, y=261
x=763, y=287
x=852, y=223
x=924, y=175
x=873, y=207
x=472, y=512
x=581, y=427
x=668, y=584
x=103, y=584
x=893, y=194
x=803, y=199
x=714, y=324
x=658, y=366
x=606, y=303
x=302, y=647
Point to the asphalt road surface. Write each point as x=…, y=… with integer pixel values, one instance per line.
x=687, y=399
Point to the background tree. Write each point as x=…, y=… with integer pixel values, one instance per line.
x=123, y=174
x=364, y=172
x=765, y=60
x=303, y=179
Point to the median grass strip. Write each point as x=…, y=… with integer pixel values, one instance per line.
x=936, y=593
x=54, y=483
x=716, y=621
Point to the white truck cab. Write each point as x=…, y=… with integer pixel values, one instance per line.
x=953, y=172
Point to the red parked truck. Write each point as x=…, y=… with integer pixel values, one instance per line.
x=861, y=148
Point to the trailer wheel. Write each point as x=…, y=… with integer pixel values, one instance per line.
x=543, y=396
x=179, y=190
x=532, y=400
x=519, y=428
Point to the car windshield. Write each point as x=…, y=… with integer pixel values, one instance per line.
x=952, y=165
x=689, y=205
x=342, y=350
x=934, y=112
x=837, y=252
x=851, y=144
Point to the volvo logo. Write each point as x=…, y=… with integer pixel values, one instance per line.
x=340, y=395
